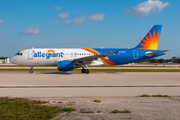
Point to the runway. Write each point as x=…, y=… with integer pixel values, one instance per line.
x=57, y=84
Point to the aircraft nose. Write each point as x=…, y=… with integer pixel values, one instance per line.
x=12, y=60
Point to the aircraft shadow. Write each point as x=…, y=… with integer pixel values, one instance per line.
x=63, y=73
x=71, y=73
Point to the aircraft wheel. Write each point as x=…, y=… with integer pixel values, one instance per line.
x=87, y=71
x=30, y=71
x=83, y=71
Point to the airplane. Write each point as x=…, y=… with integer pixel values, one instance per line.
x=68, y=59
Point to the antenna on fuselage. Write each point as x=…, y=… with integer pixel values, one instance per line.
x=33, y=49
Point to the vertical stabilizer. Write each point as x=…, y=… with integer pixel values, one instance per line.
x=150, y=41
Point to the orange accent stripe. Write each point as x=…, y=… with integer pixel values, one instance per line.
x=95, y=53
x=108, y=61
x=91, y=51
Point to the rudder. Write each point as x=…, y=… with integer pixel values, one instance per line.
x=150, y=41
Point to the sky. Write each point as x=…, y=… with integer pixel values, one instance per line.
x=87, y=24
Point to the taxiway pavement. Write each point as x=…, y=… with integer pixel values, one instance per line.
x=95, y=84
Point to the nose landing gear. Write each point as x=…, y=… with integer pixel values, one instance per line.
x=31, y=70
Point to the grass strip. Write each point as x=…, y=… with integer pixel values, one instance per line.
x=84, y=111
x=92, y=67
x=69, y=110
x=22, y=108
x=122, y=111
x=99, y=111
x=23, y=66
x=98, y=101
x=159, y=95
x=94, y=70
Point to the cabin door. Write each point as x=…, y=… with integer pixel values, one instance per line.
x=30, y=54
x=135, y=54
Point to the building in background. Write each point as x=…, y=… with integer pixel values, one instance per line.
x=175, y=58
x=5, y=61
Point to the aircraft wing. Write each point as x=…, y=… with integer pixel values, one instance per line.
x=89, y=59
x=154, y=53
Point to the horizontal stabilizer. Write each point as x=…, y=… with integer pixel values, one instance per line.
x=154, y=53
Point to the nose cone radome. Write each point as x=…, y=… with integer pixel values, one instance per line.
x=12, y=60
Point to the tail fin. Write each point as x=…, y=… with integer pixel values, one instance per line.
x=150, y=41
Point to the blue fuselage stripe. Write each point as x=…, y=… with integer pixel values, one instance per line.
x=123, y=56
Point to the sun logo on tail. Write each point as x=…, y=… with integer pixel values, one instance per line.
x=151, y=42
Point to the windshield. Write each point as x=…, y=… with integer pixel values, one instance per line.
x=18, y=53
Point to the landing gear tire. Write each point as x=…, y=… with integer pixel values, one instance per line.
x=87, y=71
x=83, y=70
x=31, y=70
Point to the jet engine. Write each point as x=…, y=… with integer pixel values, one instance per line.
x=65, y=65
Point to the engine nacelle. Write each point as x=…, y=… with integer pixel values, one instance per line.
x=65, y=65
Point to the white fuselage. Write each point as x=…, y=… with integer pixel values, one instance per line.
x=50, y=57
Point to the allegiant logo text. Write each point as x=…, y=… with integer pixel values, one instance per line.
x=47, y=55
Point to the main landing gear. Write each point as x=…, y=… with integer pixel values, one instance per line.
x=31, y=70
x=86, y=71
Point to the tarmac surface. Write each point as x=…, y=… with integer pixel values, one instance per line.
x=142, y=108
x=117, y=91
x=74, y=84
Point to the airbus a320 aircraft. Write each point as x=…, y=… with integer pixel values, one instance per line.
x=69, y=59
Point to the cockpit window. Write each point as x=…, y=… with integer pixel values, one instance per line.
x=19, y=53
